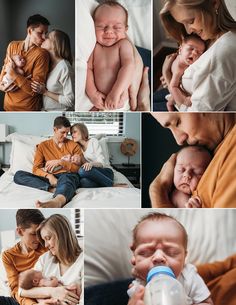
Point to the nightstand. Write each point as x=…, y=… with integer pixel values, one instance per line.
x=131, y=172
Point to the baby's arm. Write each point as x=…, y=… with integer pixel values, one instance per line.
x=96, y=97
x=124, y=77
x=179, y=199
x=179, y=96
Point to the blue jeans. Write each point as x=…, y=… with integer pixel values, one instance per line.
x=96, y=177
x=159, y=101
x=67, y=183
x=8, y=301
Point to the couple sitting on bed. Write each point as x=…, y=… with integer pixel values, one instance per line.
x=61, y=165
x=41, y=248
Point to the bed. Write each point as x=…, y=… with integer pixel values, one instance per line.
x=17, y=196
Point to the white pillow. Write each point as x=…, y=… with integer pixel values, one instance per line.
x=107, y=256
x=103, y=144
x=22, y=151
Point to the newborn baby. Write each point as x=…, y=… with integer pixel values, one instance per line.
x=32, y=278
x=190, y=50
x=19, y=62
x=191, y=162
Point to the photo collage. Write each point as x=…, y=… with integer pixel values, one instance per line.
x=104, y=107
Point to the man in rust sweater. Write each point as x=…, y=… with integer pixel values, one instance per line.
x=23, y=255
x=20, y=97
x=50, y=172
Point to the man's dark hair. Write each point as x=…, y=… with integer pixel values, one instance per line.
x=26, y=217
x=61, y=121
x=36, y=20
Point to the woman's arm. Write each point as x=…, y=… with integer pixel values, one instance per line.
x=62, y=293
x=67, y=98
x=160, y=188
x=137, y=297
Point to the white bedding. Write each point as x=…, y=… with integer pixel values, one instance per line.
x=17, y=196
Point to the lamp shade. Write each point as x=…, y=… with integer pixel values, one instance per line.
x=3, y=132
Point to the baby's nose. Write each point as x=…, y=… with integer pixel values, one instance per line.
x=158, y=257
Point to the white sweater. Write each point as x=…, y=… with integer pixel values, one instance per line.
x=211, y=80
x=60, y=81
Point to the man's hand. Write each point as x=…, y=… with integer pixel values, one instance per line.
x=161, y=186
x=51, y=165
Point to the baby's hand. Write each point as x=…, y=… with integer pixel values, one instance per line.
x=66, y=158
x=98, y=99
x=194, y=202
x=187, y=101
x=113, y=101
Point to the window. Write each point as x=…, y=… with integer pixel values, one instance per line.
x=109, y=123
x=77, y=217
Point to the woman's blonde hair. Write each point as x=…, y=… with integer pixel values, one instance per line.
x=68, y=246
x=222, y=21
x=61, y=42
x=83, y=129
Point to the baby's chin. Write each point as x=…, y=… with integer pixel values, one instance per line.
x=185, y=188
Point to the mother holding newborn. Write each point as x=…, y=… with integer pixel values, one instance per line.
x=64, y=260
x=211, y=80
x=215, y=131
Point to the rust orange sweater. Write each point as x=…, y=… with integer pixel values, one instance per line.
x=220, y=278
x=49, y=150
x=217, y=187
x=15, y=262
x=37, y=65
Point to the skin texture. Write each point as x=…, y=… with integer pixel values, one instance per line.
x=189, y=168
x=29, y=238
x=157, y=246
x=193, y=22
x=192, y=129
x=111, y=65
x=189, y=52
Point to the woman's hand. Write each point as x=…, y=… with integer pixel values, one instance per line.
x=137, y=298
x=87, y=166
x=38, y=87
x=65, y=295
x=161, y=186
x=166, y=68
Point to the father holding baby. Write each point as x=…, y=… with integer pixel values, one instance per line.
x=50, y=172
x=19, y=96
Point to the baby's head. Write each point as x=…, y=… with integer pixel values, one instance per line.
x=191, y=49
x=30, y=278
x=111, y=23
x=191, y=162
x=158, y=240
x=18, y=60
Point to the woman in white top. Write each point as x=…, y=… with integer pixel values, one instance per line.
x=58, y=93
x=211, y=80
x=64, y=260
x=94, y=172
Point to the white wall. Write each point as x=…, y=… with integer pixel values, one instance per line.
x=40, y=123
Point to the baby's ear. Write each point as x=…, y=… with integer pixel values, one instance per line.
x=132, y=247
